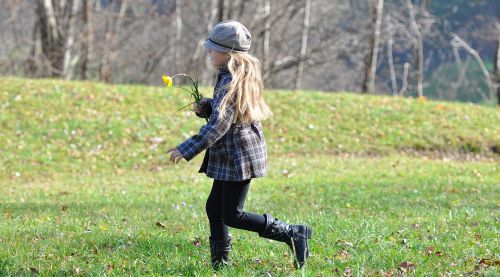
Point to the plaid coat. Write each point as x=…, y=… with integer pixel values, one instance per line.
x=235, y=151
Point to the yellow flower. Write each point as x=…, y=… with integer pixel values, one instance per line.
x=167, y=80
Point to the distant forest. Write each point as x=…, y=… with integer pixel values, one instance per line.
x=440, y=49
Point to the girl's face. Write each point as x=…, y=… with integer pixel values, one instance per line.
x=218, y=58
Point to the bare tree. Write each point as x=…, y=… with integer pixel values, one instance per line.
x=457, y=40
x=371, y=66
x=420, y=49
x=85, y=41
x=197, y=56
x=404, y=87
x=220, y=10
x=35, y=41
x=390, y=59
x=70, y=61
x=112, y=28
x=303, y=48
x=178, y=34
x=53, y=33
x=275, y=60
x=496, y=69
x=136, y=41
x=267, y=35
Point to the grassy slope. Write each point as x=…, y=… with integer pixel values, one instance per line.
x=78, y=207
x=47, y=124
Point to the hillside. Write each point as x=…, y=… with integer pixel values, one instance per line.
x=53, y=125
x=86, y=189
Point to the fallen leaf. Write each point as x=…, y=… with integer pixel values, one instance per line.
x=406, y=266
x=344, y=243
x=388, y=273
x=490, y=262
x=452, y=190
x=430, y=249
x=342, y=255
x=197, y=242
x=348, y=271
x=77, y=270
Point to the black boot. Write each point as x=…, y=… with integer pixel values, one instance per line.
x=219, y=251
x=295, y=236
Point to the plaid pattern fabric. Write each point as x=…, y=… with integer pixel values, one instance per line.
x=235, y=151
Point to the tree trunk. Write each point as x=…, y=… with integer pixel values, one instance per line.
x=85, y=42
x=220, y=8
x=32, y=60
x=482, y=66
x=178, y=34
x=52, y=42
x=103, y=63
x=390, y=59
x=197, y=57
x=404, y=86
x=267, y=35
x=69, y=61
x=371, y=66
x=497, y=70
x=420, y=49
x=111, y=30
x=303, y=48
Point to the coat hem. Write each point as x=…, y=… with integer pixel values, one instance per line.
x=233, y=180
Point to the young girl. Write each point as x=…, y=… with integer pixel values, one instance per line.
x=236, y=147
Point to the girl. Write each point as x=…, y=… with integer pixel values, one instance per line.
x=236, y=147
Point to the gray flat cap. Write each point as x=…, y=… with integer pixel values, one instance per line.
x=229, y=35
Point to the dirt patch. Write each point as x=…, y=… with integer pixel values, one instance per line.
x=457, y=155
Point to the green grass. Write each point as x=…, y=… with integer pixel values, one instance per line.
x=71, y=207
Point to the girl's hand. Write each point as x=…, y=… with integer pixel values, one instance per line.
x=175, y=156
x=197, y=107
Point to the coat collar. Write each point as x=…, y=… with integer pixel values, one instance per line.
x=223, y=69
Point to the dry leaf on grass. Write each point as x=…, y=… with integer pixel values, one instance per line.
x=406, y=266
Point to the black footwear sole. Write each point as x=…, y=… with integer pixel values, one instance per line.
x=309, y=232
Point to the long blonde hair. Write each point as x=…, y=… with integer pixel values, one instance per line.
x=246, y=88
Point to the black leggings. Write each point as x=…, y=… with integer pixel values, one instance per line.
x=224, y=208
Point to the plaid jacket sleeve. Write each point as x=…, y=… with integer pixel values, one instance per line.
x=214, y=129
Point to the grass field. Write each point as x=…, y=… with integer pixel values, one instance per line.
x=386, y=183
